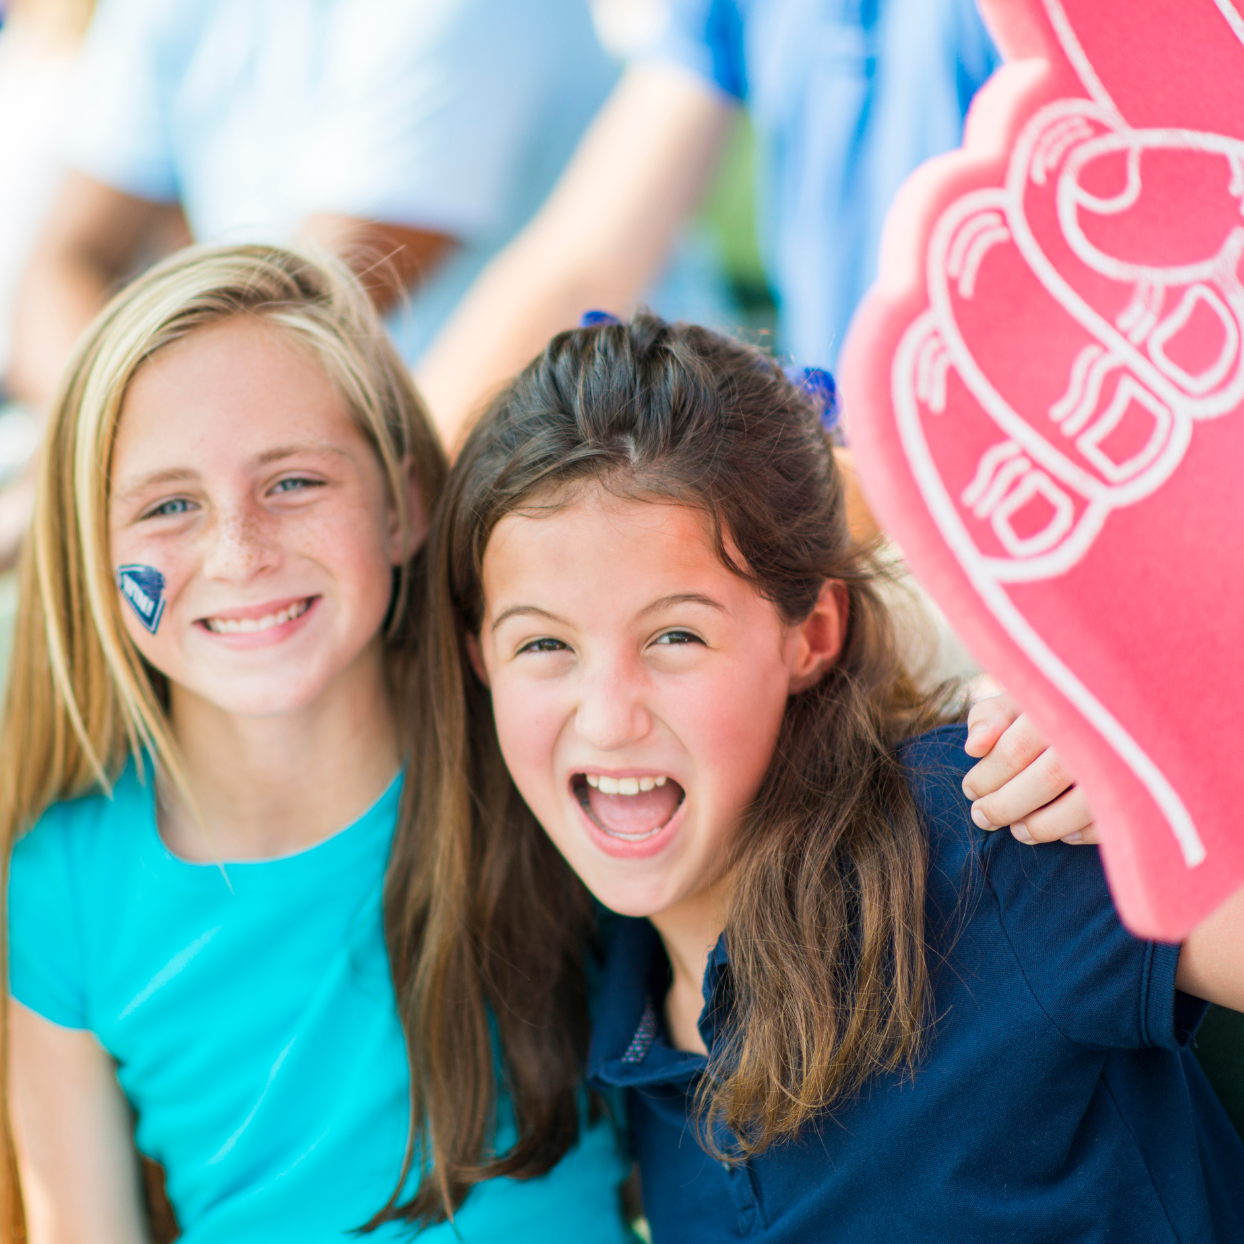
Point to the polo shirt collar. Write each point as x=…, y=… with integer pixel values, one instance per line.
x=629, y=1046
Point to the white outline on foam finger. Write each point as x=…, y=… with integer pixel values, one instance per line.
x=992, y=594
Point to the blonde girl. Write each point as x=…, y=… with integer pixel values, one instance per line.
x=201, y=772
x=661, y=675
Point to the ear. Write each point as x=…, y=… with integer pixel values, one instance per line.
x=816, y=641
x=476, y=656
x=405, y=538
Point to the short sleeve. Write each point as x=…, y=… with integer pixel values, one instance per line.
x=976, y=54
x=433, y=124
x=45, y=945
x=1102, y=987
x=118, y=119
x=706, y=38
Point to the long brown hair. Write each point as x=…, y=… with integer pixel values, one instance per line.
x=825, y=921
x=81, y=701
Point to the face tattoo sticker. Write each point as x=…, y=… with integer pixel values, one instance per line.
x=143, y=587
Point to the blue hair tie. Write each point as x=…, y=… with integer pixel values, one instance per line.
x=819, y=385
x=592, y=319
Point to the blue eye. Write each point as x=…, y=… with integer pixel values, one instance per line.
x=296, y=483
x=168, y=509
x=545, y=645
x=678, y=637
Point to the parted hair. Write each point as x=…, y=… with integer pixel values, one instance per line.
x=487, y=924
x=81, y=702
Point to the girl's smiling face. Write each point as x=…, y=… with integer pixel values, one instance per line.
x=638, y=687
x=238, y=473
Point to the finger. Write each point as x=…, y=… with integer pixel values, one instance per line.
x=1018, y=745
x=983, y=687
x=1041, y=782
x=1068, y=817
x=989, y=718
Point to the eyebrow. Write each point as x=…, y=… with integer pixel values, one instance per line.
x=679, y=598
x=172, y=475
x=683, y=598
x=289, y=451
x=176, y=475
x=534, y=610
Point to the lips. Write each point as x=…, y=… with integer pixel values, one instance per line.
x=635, y=815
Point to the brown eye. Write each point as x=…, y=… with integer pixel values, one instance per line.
x=545, y=645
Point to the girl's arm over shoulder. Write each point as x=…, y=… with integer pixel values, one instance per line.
x=74, y=1135
x=1211, y=960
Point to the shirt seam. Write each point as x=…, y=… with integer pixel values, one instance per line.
x=1019, y=963
x=1146, y=977
x=1114, y=1101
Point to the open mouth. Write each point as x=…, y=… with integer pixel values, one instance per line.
x=252, y=626
x=631, y=808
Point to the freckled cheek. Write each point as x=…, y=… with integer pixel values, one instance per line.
x=351, y=546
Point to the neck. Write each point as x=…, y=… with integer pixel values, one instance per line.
x=270, y=786
x=690, y=930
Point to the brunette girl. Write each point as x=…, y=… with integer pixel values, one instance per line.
x=204, y=737
x=659, y=674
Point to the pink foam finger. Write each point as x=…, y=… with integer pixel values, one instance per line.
x=1045, y=394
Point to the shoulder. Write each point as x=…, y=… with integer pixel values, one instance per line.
x=935, y=764
x=468, y=30
x=1050, y=907
x=78, y=834
x=705, y=37
x=64, y=875
x=121, y=27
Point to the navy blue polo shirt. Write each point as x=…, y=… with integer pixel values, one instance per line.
x=1056, y=1099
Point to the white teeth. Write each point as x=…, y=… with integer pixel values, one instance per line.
x=623, y=786
x=247, y=626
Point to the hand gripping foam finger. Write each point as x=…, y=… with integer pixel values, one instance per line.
x=1045, y=395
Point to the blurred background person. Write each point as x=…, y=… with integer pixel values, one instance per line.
x=39, y=44
x=845, y=98
x=411, y=136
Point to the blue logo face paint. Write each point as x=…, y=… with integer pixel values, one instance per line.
x=143, y=587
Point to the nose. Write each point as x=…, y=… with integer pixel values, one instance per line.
x=237, y=544
x=612, y=712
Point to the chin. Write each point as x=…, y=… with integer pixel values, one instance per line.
x=639, y=901
x=276, y=700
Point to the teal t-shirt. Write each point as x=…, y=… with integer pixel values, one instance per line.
x=251, y=1013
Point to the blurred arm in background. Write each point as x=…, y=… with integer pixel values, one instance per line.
x=91, y=240
x=389, y=259
x=96, y=235
x=600, y=240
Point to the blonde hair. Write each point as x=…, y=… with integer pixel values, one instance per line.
x=81, y=701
